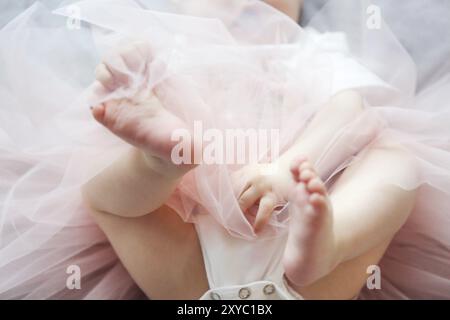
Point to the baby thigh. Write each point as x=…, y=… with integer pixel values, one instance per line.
x=368, y=197
x=160, y=251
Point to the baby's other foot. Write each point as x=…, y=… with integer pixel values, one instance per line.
x=265, y=190
x=309, y=253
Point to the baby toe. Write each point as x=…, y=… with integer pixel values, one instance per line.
x=295, y=164
x=295, y=167
x=318, y=202
x=104, y=76
x=265, y=209
x=98, y=112
x=118, y=69
x=249, y=198
x=133, y=58
x=306, y=175
x=316, y=185
x=306, y=165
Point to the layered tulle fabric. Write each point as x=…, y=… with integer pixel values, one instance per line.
x=228, y=65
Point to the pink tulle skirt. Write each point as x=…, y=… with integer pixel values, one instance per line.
x=237, y=64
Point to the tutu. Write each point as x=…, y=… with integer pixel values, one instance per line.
x=235, y=65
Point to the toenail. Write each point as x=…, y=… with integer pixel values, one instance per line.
x=305, y=175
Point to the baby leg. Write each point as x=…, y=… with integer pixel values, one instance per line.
x=269, y=190
x=342, y=110
x=346, y=280
x=141, y=180
x=362, y=212
x=160, y=251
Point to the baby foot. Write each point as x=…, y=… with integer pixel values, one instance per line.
x=309, y=253
x=143, y=122
x=265, y=189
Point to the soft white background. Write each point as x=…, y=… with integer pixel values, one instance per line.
x=431, y=14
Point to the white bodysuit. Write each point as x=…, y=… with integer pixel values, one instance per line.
x=241, y=269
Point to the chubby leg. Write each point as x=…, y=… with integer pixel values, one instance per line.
x=269, y=190
x=140, y=181
x=346, y=280
x=160, y=251
x=363, y=212
x=342, y=110
x=377, y=210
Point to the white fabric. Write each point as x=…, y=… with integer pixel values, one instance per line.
x=234, y=264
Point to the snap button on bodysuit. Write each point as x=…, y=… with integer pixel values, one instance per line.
x=215, y=296
x=244, y=293
x=268, y=289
